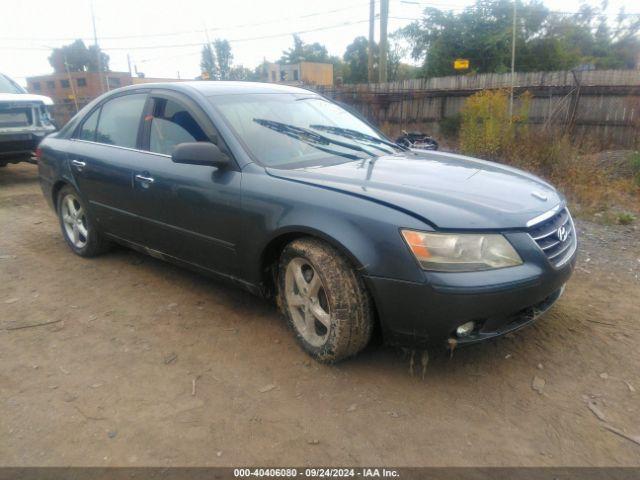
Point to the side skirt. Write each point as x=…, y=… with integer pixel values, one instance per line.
x=250, y=287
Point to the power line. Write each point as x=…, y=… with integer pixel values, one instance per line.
x=235, y=40
x=453, y=7
x=238, y=40
x=461, y=7
x=197, y=44
x=186, y=32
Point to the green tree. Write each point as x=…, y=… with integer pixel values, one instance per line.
x=356, y=57
x=208, y=64
x=545, y=40
x=340, y=68
x=243, y=74
x=78, y=58
x=396, y=69
x=217, y=62
x=224, y=57
x=303, y=52
x=261, y=72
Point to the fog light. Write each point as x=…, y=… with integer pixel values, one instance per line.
x=465, y=329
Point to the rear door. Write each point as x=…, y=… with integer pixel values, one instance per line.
x=103, y=156
x=191, y=212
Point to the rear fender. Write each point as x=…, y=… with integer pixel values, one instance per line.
x=54, y=170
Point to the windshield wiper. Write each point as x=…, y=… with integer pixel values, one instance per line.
x=356, y=135
x=311, y=138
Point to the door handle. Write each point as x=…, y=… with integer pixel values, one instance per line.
x=78, y=164
x=143, y=179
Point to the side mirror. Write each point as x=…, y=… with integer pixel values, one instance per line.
x=200, y=153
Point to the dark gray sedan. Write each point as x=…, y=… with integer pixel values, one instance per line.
x=288, y=195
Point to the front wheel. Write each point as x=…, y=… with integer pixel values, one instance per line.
x=77, y=227
x=324, y=299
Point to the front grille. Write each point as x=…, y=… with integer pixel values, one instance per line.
x=547, y=235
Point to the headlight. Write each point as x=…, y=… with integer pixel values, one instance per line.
x=446, y=252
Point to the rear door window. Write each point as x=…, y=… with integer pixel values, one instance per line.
x=88, y=129
x=120, y=119
x=171, y=124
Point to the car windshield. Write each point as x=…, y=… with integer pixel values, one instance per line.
x=9, y=86
x=288, y=130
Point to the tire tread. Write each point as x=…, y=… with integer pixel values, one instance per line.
x=352, y=307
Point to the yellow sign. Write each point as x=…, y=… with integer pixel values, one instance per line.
x=461, y=64
x=71, y=97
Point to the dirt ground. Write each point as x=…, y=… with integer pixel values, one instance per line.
x=111, y=381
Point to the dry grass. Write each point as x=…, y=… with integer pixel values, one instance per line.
x=599, y=184
x=592, y=186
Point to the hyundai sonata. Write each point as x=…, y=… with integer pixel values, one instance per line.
x=291, y=196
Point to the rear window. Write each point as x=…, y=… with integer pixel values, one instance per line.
x=120, y=119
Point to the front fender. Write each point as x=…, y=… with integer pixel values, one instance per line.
x=367, y=232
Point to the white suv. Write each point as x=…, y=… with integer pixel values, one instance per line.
x=24, y=121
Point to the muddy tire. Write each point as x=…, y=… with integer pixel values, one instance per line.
x=324, y=300
x=78, y=229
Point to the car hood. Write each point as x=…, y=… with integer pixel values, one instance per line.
x=445, y=190
x=25, y=97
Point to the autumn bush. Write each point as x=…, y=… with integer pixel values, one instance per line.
x=487, y=129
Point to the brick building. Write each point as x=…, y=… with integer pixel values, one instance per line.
x=73, y=90
x=303, y=73
x=81, y=86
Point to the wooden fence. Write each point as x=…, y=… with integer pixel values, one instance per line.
x=603, y=105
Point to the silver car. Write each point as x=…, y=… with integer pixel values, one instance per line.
x=24, y=121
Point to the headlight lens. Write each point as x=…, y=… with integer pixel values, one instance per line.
x=446, y=252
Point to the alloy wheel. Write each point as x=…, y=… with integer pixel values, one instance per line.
x=307, y=301
x=75, y=221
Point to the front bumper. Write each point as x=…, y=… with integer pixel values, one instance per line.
x=427, y=314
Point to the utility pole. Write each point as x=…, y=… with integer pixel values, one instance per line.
x=382, y=63
x=95, y=42
x=73, y=89
x=129, y=63
x=206, y=34
x=209, y=48
x=513, y=60
x=372, y=27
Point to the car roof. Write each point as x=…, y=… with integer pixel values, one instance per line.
x=218, y=87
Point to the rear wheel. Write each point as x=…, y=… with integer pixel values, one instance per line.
x=77, y=227
x=325, y=301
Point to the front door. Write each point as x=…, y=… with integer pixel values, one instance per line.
x=190, y=212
